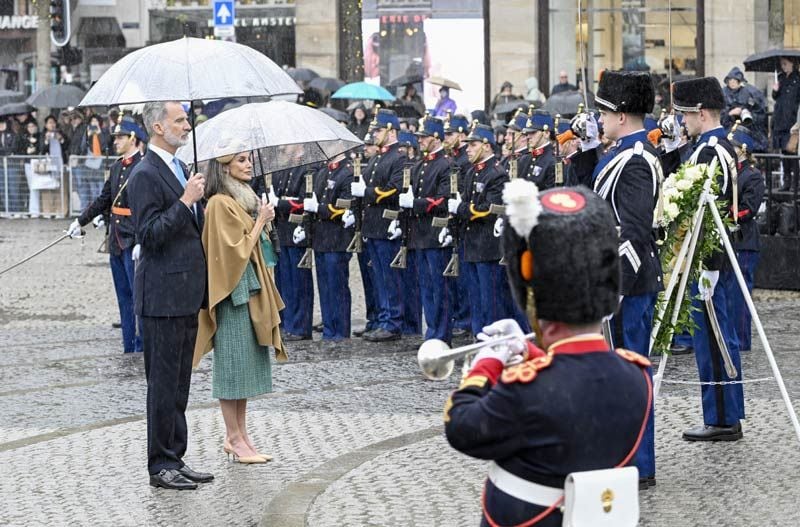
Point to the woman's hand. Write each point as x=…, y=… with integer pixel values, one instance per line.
x=266, y=212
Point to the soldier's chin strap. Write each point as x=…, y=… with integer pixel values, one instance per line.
x=379, y=142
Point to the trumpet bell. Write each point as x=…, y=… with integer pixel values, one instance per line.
x=433, y=362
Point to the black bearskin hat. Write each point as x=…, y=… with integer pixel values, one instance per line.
x=575, y=271
x=693, y=95
x=626, y=92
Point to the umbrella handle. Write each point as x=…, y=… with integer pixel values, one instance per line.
x=194, y=134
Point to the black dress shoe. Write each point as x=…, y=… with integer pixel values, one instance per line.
x=171, y=479
x=198, y=477
x=714, y=433
x=646, y=483
x=317, y=328
x=381, y=335
x=460, y=332
x=680, y=349
x=359, y=332
x=291, y=337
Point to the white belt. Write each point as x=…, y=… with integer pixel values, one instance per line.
x=523, y=489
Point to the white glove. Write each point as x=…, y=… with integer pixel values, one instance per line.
x=444, y=237
x=591, y=134
x=311, y=204
x=98, y=222
x=407, y=199
x=273, y=198
x=453, y=204
x=299, y=234
x=508, y=352
x=357, y=188
x=394, y=230
x=74, y=230
x=349, y=219
x=136, y=253
x=671, y=145
x=498, y=227
x=707, y=283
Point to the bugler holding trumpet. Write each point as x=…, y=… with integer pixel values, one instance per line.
x=575, y=405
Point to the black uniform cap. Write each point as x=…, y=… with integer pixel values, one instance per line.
x=693, y=95
x=626, y=92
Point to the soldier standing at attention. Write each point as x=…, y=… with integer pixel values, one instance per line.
x=113, y=202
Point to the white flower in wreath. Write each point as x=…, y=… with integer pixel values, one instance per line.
x=671, y=211
x=696, y=173
x=683, y=184
x=671, y=194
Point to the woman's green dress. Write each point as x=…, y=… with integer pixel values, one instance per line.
x=241, y=367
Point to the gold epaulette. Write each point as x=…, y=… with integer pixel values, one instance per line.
x=383, y=193
x=476, y=214
x=335, y=213
x=634, y=357
x=527, y=371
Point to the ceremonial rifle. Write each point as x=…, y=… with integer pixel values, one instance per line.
x=356, y=205
x=306, y=262
x=404, y=217
x=453, y=266
x=559, y=161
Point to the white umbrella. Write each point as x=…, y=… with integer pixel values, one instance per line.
x=189, y=69
x=283, y=135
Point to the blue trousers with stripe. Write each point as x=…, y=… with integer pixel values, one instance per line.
x=723, y=405
x=435, y=292
x=490, y=296
x=333, y=284
x=296, y=287
x=388, y=283
x=370, y=295
x=737, y=309
x=122, y=272
x=412, y=305
x=459, y=293
x=631, y=330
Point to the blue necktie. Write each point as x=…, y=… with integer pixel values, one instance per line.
x=179, y=172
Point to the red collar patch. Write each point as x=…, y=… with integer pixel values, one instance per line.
x=430, y=157
x=333, y=166
x=480, y=166
x=579, y=345
x=126, y=162
x=385, y=149
x=537, y=152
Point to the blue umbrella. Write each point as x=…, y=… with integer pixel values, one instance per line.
x=363, y=90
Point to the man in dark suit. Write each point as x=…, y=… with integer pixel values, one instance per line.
x=169, y=288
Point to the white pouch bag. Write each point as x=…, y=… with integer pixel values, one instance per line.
x=599, y=498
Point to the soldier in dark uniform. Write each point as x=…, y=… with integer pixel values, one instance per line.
x=425, y=200
x=542, y=168
x=367, y=275
x=412, y=303
x=746, y=238
x=380, y=188
x=517, y=146
x=628, y=177
x=331, y=238
x=456, y=128
x=113, y=203
x=700, y=101
x=490, y=296
x=295, y=285
x=577, y=406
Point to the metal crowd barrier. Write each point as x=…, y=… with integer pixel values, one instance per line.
x=778, y=202
x=35, y=186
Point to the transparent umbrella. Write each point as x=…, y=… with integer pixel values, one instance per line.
x=282, y=134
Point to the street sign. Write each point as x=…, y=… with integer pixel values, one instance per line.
x=224, y=13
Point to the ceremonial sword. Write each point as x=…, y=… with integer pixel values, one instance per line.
x=40, y=251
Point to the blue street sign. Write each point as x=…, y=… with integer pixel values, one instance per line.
x=224, y=13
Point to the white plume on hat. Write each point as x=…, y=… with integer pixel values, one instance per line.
x=522, y=205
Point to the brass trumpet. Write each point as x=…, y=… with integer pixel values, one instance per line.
x=437, y=360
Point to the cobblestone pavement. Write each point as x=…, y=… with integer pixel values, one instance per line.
x=355, y=429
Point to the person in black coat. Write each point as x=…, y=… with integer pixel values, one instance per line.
x=746, y=103
x=745, y=238
x=169, y=288
x=359, y=121
x=517, y=162
x=542, y=161
x=786, y=93
x=333, y=230
x=8, y=147
x=578, y=406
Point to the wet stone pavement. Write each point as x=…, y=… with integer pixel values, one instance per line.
x=354, y=428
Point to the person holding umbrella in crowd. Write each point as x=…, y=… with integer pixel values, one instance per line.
x=445, y=104
x=786, y=93
x=242, y=320
x=113, y=203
